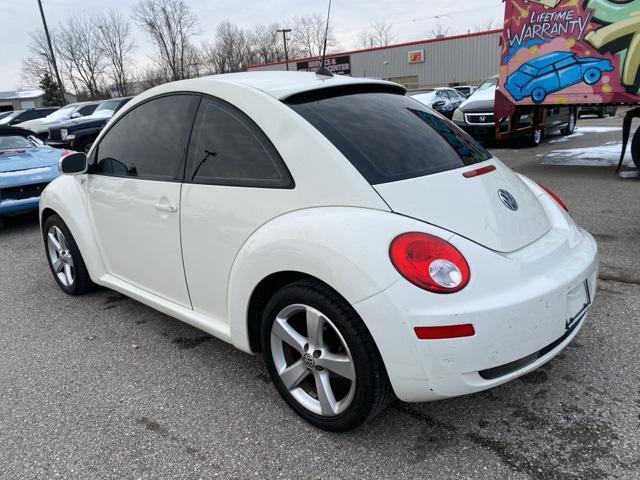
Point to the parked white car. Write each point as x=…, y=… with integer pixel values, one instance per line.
x=360, y=241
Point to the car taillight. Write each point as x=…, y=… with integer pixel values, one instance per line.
x=429, y=262
x=557, y=199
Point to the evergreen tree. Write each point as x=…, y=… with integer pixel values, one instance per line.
x=52, y=96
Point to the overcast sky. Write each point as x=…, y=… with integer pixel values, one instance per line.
x=411, y=20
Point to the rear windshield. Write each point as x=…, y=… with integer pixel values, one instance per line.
x=390, y=137
x=11, y=142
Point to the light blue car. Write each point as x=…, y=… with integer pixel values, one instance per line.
x=26, y=167
x=552, y=72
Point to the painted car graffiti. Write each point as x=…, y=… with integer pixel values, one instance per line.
x=603, y=37
x=552, y=72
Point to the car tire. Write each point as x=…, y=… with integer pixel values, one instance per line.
x=635, y=148
x=571, y=126
x=592, y=76
x=64, y=258
x=538, y=95
x=535, y=138
x=85, y=145
x=302, y=373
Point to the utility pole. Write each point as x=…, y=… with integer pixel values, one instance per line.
x=53, y=57
x=284, y=32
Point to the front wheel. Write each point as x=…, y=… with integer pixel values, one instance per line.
x=538, y=95
x=592, y=76
x=65, y=260
x=321, y=357
x=85, y=145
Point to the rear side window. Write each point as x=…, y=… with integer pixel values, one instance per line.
x=150, y=141
x=87, y=110
x=228, y=148
x=390, y=137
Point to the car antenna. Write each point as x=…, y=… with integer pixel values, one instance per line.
x=323, y=70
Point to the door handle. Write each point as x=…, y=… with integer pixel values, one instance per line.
x=163, y=207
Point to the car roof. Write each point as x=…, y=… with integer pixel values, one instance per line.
x=282, y=85
x=549, y=59
x=15, y=131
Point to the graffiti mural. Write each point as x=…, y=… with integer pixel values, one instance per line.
x=569, y=52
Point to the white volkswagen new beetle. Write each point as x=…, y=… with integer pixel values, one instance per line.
x=360, y=241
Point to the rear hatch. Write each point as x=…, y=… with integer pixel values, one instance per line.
x=474, y=207
x=416, y=160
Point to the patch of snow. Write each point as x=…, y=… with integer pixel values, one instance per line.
x=597, y=129
x=606, y=155
x=567, y=138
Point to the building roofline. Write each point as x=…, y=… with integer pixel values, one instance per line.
x=397, y=45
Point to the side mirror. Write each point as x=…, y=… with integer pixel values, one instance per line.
x=73, y=164
x=76, y=115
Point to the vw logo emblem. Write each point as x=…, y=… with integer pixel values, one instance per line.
x=483, y=119
x=309, y=361
x=507, y=199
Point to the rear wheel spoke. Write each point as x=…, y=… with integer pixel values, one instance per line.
x=288, y=335
x=57, y=265
x=315, y=324
x=338, y=364
x=328, y=404
x=294, y=374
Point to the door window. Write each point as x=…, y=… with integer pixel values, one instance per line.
x=150, y=141
x=228, y=148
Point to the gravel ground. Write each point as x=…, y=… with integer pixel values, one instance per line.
x=104, y=387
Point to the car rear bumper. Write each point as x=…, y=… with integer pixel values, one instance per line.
x=519, y=325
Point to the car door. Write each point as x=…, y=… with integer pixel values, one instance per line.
x=569, y=72
x=133, y=191
x=235, y=182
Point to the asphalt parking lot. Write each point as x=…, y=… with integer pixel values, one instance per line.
x=103, y=387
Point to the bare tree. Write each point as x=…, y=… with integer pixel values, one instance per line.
x=439, y=31
x=379, y=34
x=80, y=50
x=171, y=25
x=38, y=63
x=308, y=35
x=230, y=52
x=116, y=45
x=267, y=44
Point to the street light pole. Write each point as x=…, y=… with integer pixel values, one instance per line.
x=53, y=57
x=284, y=32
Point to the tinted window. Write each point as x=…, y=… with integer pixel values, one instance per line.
x=87, y=110
x=149, y=141
x=30, y=115
x=390, y=137
x=227, y=148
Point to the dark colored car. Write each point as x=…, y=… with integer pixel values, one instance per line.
x=600, y=110
x=40, y=126
x=442, y=100
x=19, y=116
x=79, y=134
x=475, y=116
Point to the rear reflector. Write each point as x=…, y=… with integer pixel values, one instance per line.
x=447, y=331
x=479, y=171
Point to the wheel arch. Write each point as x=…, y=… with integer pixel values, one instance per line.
x=352, y=260
x=263, y=292
x=64, y=198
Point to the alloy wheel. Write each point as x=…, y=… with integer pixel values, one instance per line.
x=60, y=256
x=313, y=360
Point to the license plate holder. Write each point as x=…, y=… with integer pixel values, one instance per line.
x=578, y=302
